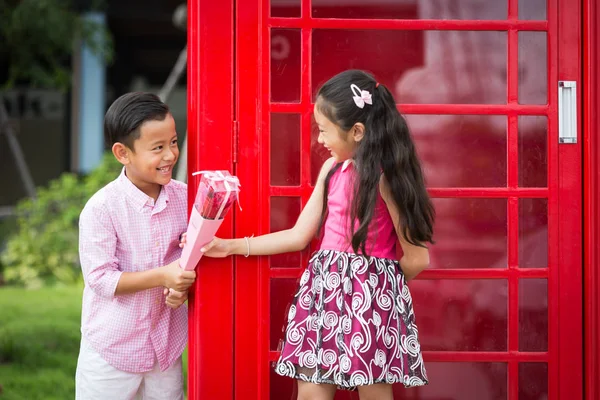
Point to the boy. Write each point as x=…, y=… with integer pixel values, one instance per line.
x=132, y=337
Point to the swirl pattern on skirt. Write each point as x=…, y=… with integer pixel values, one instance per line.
x=351, y=323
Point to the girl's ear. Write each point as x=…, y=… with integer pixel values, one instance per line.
x=121, y=153
x=358, y=131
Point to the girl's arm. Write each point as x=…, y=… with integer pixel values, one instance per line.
x=289, y=240
x=415, y=258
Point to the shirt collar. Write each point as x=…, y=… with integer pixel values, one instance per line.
x=347, y=163
x=139, y=198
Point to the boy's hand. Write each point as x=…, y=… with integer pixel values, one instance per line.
x=177, y=278
x=183, y=240
x=174, y=298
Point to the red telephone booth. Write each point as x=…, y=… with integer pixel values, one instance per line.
x=493, y=94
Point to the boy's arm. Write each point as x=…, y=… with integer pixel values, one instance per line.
x=97, y=249
x=100, y=266
x=171, y=276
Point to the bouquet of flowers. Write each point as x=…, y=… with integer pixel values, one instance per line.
x=217, y=192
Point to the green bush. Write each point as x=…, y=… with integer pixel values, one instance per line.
x=44, y=249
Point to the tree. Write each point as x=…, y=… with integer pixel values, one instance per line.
x=37, y=38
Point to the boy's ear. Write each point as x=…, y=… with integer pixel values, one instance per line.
x=358, y=131
x=121, y=153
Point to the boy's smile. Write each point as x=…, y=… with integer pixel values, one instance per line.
x=149, y=165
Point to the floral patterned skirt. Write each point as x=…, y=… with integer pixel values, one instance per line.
x=351, y=323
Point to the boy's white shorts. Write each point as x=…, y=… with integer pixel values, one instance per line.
x=95, y=379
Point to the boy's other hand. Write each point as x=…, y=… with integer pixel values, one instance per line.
x=174, y=298
x=183, y=240
x=177, y=278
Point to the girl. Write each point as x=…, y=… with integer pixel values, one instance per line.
x=351, y=323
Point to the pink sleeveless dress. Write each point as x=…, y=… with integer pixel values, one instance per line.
x=351, y=322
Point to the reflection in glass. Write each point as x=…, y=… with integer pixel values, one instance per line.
x=469, y=233
x=460, y=381
x=533, y=151
x=455, y=150
x=285, y=8
x=335, y=50
x=533, y=68
x=533, y=315
x=280, y=297
x=461, y=150
x=462, y=314
x=285, y=65
x=533, y=381
x=284, y=213
x=466, y=67
x=285, y=149
x=533, y=233
x=532, y=10
x=416, y=9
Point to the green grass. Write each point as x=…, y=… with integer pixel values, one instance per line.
x=39, y=343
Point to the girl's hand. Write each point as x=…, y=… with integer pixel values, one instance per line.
x=217, y=248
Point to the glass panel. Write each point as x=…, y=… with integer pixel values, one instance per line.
x=284, y=388
x=460, y=381
x=285, y=65
x=533, y=233
x=281, y=387
x=533, y=315
x=284, y=213
x=280, y=297
x=533, y=68
x=533, y=151
x=469, y=233
x=454, y=66
x=407, y=9
x=461, y=314
x=461, y=150
x=285, y=149
x=533, y=381
x=474, y=146
x=532, y=9
x=285, y=8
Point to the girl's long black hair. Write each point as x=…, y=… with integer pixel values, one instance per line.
x=386, y=147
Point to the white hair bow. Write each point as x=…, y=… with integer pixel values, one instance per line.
x=361, y=96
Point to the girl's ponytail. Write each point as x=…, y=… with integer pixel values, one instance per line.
x=402, y=168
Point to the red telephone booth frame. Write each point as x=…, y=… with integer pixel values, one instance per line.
x=227, y=94
x=591, y=199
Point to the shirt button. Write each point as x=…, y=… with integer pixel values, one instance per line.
x=157, y=244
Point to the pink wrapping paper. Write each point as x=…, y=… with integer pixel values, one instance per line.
x=217, y=192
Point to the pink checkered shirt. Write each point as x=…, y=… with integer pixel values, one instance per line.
x=121, y=229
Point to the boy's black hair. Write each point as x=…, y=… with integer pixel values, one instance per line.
x=125, y=116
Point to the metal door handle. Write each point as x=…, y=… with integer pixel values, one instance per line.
x=567, y=112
